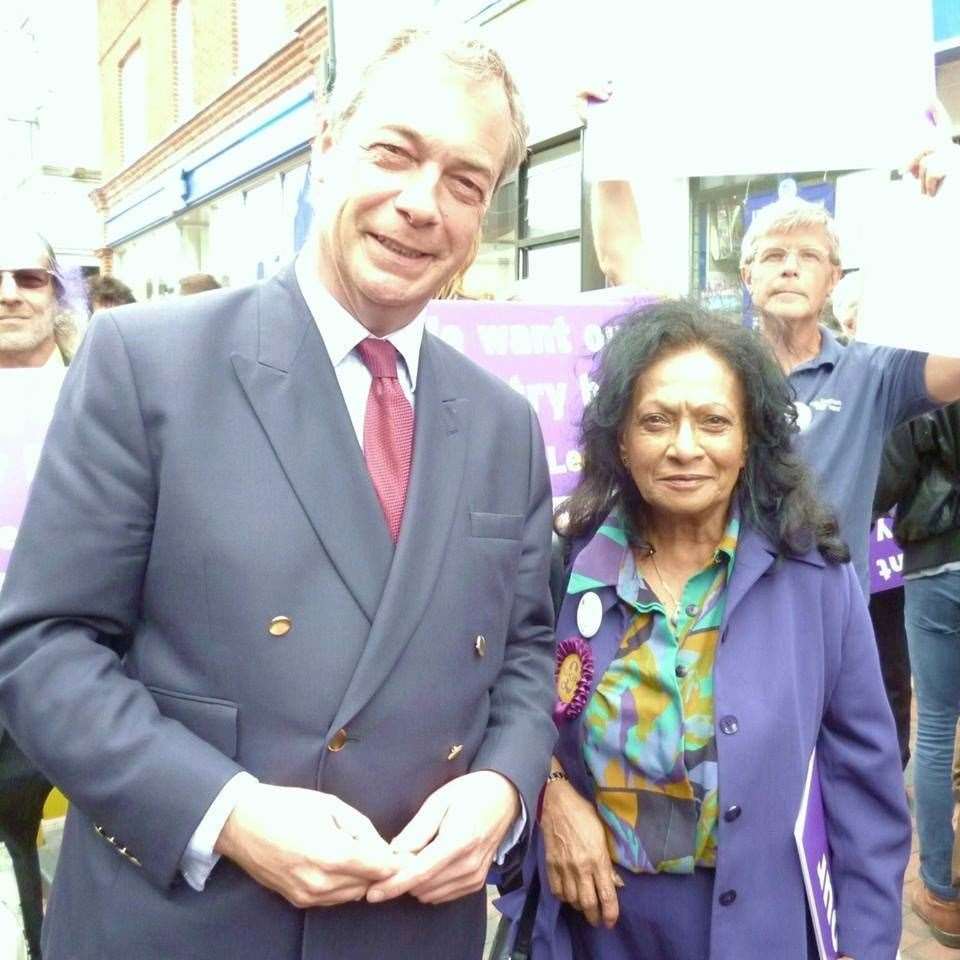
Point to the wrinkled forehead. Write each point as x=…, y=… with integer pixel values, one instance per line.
x=22, y=248
x=795, y=238
x=424, y=91
x=693, y=374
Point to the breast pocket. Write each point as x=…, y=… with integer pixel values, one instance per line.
x=210, y=719
x=496, y=526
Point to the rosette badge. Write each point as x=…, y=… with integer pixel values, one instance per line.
x=574, y=673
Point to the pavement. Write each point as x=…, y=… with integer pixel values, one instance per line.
x=916, y=944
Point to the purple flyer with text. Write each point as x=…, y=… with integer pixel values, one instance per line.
x=810, y=832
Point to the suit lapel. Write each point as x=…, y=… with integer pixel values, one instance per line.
x=439, y=451
x=293, y=390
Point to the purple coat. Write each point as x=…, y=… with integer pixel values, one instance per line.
x=797, y=668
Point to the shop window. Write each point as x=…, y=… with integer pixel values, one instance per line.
x=551, y=201
x=552, y=258
x=183, y=39
x=722, y=209
x=553, y=267
x=133, y=112
x=532, y=230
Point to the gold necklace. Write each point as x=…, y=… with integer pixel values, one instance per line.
x=663, y=583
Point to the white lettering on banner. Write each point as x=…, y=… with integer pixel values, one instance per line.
x=826, y=892
x=888, y=566
x=595, y=336
x=8, y=534
x=555, y=395
x=884, y=531
x=588, y=389
x=572, y=462
x=525, y=339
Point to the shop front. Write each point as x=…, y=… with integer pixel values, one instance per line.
x=231, y=209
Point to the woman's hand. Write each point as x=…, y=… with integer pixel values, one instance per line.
x=578, y=863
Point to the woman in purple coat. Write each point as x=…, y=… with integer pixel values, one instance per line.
x=712, y=636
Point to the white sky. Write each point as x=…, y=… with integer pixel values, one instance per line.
x=48, y=73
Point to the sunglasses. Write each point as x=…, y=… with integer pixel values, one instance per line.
x=29, y=278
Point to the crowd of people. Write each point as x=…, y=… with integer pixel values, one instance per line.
x=292, y=622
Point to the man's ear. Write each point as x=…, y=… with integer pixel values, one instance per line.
x=323, y=143
x=745, y=275
x=837, y=275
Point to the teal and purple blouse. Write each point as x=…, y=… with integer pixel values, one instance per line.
x=648, y=729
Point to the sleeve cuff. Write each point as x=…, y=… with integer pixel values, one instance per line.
x=199, y=858
x=513, y=836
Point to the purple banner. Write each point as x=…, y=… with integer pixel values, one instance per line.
x=886, y=557
x=810, y=833
x=27, y=399
x=543, y=352
x=546, y=353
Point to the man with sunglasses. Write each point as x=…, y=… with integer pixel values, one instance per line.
x=30, y=295
x=30, y=299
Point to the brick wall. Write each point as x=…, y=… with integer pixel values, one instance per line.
x=299, y=10
x=214, y=48
x=124, y=23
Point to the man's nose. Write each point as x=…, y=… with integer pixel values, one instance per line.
x=8, y=286
x=791, y=263
x=417, y=201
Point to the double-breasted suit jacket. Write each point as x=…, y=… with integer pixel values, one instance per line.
x=204, y=468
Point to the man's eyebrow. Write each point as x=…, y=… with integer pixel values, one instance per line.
x=462, y=160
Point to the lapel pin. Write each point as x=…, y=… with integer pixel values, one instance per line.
x=589, y=614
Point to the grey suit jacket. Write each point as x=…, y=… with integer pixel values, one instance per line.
x=204, y=468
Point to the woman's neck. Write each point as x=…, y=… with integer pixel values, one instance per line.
x=688, y=542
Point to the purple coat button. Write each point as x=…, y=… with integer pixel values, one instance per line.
x=729, y=725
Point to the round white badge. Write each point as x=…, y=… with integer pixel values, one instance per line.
x=589, y=614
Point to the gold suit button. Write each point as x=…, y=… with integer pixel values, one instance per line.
x=338, y=741
x=280, y=626
x=480, y=645
x=455, y=751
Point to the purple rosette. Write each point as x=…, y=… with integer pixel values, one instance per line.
x=574, y=673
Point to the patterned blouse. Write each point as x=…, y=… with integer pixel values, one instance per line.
x=648, y=729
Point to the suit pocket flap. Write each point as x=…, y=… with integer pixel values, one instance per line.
x=501, y=526
x=212, y=720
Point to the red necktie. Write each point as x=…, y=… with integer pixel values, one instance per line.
x=387, y=430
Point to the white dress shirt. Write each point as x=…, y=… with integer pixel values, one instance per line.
x=341, y=332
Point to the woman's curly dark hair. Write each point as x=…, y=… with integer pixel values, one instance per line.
x=775, y=490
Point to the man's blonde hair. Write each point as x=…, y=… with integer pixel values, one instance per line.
x=783, y=216
x=466, y=51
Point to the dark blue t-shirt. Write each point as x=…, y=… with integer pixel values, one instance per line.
x=848, y=400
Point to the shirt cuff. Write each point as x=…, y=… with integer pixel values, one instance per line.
x=199, y=858
x=513, y=837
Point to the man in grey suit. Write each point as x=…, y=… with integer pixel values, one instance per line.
x=299, y=702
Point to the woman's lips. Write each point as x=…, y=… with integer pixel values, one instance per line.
x=684, y=481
